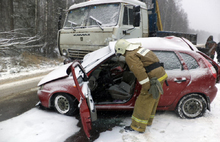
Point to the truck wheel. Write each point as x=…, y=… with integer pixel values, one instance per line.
x=66, y=104
x=191, y=106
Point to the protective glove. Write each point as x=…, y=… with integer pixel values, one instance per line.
x=155, y=88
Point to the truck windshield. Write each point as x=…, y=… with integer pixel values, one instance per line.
x=95, y=15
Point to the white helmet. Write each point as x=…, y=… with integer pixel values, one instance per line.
x=122, y=45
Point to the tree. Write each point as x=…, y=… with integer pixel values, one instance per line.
x=173, y=16
x=30, y=25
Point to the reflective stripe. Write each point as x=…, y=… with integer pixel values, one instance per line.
x=152, y=116
x=163, y=78
x=147, y=79
x=143, y=51
x=144, y=81
x=139, y=120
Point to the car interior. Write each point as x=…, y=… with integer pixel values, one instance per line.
x=112, y=82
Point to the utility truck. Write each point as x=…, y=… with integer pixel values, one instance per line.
x=93, y=24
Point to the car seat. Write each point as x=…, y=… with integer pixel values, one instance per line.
x=124, y=90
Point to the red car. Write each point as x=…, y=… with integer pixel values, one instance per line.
x=103, y=81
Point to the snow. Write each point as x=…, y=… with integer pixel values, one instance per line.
x=9, y=71
x=38, y=125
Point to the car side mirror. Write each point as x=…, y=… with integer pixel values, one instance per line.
x=136, y=15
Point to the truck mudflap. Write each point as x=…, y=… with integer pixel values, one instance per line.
x=208, y=103
x=190, y=37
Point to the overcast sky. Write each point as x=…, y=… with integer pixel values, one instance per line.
x=204, y=15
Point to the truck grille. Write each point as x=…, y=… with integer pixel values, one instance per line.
x=78, y=54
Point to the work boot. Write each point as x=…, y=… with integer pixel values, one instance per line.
x=128, y=128
x=149, y=123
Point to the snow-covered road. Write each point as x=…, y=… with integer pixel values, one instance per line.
x=38, y=125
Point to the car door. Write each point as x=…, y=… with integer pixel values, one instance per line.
x=86, y=105
x=178, y=77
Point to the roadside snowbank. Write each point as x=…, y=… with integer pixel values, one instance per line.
x=7, y=77
x=26, y=66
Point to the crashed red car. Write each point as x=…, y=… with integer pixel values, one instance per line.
x=103, y=81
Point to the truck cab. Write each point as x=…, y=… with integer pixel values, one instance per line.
x=93, y=24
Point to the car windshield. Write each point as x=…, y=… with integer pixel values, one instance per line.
x=95, y=15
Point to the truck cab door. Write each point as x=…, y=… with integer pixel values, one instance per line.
x=127, y=29
x=86, y=105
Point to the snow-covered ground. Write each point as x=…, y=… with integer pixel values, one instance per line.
x=38, y=125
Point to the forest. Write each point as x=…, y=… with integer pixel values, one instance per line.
x=32, y=25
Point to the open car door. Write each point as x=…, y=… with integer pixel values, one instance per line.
x=86, y=105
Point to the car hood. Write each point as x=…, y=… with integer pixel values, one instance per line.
x=89, y=62
x=55, y=74
x=92, y=59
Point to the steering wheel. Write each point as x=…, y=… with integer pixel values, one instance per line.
x=92, y=83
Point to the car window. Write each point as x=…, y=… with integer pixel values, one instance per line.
x=170, y=60
x=190, y=61
x=128, y=15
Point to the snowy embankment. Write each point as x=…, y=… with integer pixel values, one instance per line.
x=8, y=77
x=39, y=125
x=23, y=74
x=10, y=72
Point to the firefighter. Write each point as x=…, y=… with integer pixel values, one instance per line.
x=218, y=52
x=150, y=74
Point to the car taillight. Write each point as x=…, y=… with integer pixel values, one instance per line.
x=212, y=69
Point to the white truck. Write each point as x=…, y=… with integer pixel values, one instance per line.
x=93, y=24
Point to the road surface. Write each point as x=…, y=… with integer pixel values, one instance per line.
x=18, y=103
x=18, y=95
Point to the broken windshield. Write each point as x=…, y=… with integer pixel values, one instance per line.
x=102, y=15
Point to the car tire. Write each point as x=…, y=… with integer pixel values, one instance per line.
x=191, y=106
x=65, y=104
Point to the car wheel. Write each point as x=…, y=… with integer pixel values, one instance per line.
x=66, y=104
x=191, y=106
